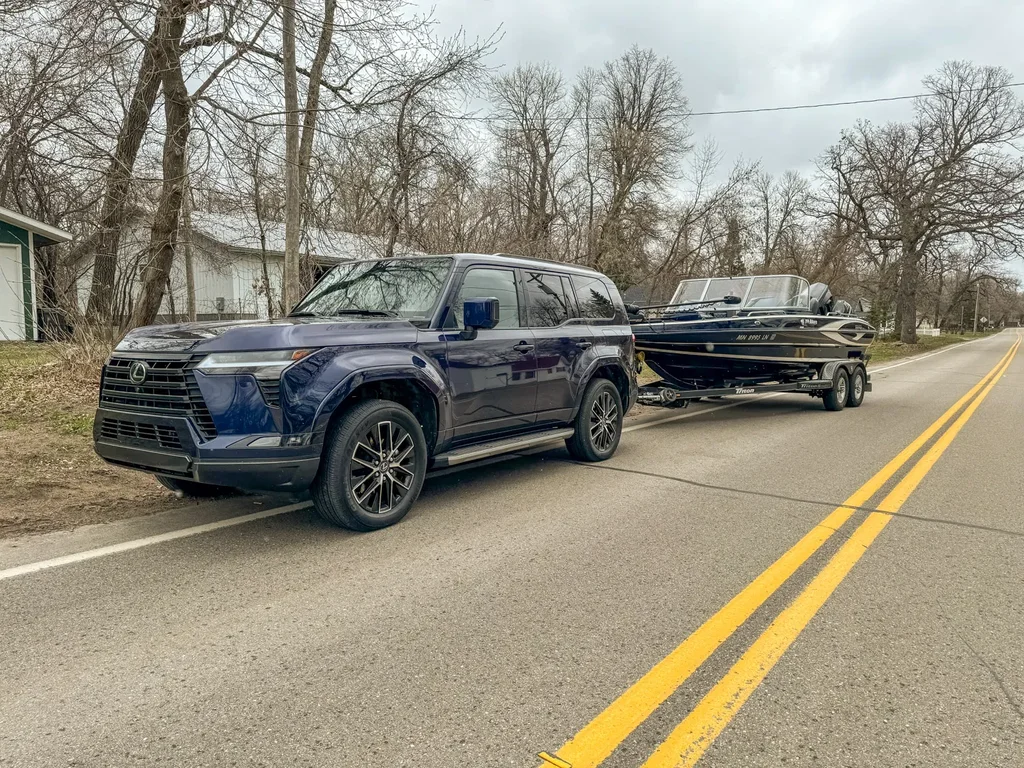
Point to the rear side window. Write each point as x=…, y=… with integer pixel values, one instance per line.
x=547, y=302
x=500, y=284
x=595, y=302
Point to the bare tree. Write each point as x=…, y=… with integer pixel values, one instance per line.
x=531, y=132
x=641, y=122
x=947, y=174
x=779, y=203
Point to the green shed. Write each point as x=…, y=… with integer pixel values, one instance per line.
x=19, y=237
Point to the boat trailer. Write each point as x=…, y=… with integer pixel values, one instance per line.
x=840, y=383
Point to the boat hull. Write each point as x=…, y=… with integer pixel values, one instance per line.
x=717, y=350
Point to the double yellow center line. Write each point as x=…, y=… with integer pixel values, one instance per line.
x=688, y=741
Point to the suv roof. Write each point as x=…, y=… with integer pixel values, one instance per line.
x=509, y=259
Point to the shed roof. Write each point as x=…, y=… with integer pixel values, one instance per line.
x=243, y=233
x=45, y=234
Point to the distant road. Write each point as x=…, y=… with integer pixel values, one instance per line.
x=761, y=584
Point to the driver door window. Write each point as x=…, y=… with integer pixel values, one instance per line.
x=485, y=283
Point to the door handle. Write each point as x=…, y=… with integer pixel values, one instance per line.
x=583, y=344
x=522, y=346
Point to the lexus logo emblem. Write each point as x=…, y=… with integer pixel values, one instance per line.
x=137, y=372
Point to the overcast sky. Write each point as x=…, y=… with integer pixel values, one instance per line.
x=736, y=54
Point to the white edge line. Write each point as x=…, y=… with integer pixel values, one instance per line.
x=930, y=354
x=127, y=546
x=160, y=538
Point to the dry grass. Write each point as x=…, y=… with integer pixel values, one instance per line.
x=885, y=350
x=50, y=477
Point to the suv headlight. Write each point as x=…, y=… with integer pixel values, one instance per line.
x=262, y=365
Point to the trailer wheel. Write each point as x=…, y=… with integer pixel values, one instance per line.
x=835, y=398
x=858, y=383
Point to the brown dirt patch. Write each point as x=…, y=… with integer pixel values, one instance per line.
x=50, y=478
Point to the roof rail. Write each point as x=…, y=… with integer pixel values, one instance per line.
x=545, y=261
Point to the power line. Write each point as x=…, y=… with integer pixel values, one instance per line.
x=755, y=110
x=839, y=103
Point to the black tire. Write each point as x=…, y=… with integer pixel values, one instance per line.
x=597, y=434
x=370, y=475
x=858, y=384
x=835, y=398
x=192, y=489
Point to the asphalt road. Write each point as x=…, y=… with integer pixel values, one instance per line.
x=521, y=599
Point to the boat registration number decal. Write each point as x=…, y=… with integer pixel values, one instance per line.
x=756, y=336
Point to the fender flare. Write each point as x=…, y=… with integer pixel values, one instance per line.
x=405, y=372
x=597, y=363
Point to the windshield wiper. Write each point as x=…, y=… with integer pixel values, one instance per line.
x=342, y=312
x=366, y=312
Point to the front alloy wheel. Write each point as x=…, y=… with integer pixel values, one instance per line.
x=382, y=468
x=372, y=468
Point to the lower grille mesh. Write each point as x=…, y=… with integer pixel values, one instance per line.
x=156, y=434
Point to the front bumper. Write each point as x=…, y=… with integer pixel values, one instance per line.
x=180, y=452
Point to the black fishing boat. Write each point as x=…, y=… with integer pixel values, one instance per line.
x=734, y=332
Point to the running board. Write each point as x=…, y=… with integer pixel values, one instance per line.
x=498, y=447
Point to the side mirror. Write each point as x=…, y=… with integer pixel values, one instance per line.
x=479, y=313
x=731, y=299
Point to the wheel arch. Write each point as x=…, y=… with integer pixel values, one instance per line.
x=611, y=369
x=405, y=386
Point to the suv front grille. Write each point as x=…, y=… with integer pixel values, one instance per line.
x=158, y=434
x=170, y=388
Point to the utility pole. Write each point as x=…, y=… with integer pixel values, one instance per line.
x=977, y=298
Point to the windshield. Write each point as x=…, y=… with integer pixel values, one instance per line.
x=406, y=288
x=778, y=291
x=689, y=290
x=717, y=288
x=721, y=287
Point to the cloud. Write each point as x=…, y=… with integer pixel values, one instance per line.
x=734, y=54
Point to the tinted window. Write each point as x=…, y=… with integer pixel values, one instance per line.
x=595, y=302
x=497, y=284
x=404, y=287
x=548, y=305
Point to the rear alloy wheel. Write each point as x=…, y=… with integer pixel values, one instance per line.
x=190, y=489
x=835, y=398
x=374, y=463
x=858, y=385
x=598, y=424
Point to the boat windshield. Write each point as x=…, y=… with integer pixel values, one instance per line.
x=689, y=290
x=774, y=291
x=710, y=290
x=721, y=287
x=767, y=292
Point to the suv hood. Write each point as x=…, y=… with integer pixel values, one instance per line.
x=252, y=335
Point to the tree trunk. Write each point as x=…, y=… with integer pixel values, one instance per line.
x=907, y=299
x=104, y=242
x=190, y=274
x=177, y=114
x=293, y=197
x=170, y=299
x=298, y=155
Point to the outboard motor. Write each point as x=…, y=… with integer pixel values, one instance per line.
x=821, y=299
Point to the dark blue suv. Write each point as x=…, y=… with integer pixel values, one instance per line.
x=385, y=369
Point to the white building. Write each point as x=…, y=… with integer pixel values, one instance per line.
x=228, y=256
